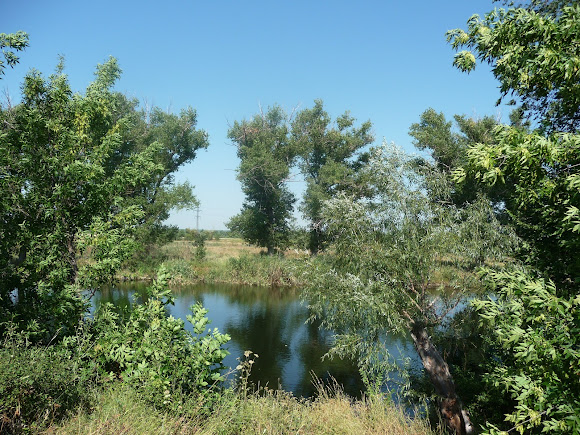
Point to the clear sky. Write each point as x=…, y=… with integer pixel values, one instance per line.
x=384, y=61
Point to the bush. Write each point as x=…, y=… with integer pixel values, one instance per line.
x=268, y=270
x=40, y=384
x=155, y=353
x=180, y=270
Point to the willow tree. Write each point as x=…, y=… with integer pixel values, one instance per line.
x=387, y=252
x=266, y=156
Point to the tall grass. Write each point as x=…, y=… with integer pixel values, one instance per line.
x=121, y=411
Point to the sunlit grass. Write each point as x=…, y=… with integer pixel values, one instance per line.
x=227, y=260
x=121, y=411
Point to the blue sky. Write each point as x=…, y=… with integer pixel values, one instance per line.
x=383, y=61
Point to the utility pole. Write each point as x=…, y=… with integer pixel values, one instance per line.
x=197, y=219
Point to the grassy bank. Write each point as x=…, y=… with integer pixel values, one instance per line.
x=231, y=260
x=226, y=260
x=57, y=391
x=121, y=411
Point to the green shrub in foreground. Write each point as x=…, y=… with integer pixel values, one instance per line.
x=156, y=354
x=40, y=384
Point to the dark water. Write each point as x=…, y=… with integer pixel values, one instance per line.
x=269, y=322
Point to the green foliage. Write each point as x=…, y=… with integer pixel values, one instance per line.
x=299, y=238
x=534, y=317
x=329, y=160
x=81, y=176
x=534, y=55
x=199, y=241
x=155, y=353
x=539, y=332
x=448, y=147
x=60, y=198
x=543, y=199
x=10, y=44
x=266, y=156
x=546, y=7
x=190, y=234
x=40, y=385
x=181, y=270
x=385, y=255
x=269, y=270
x=180, y=141
x=536, y=310
x=468, y=347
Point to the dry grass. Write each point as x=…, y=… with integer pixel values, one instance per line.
x=230, y=260
x=277, y=412
x=120, y=411
x=221, y=250
x=228, y=248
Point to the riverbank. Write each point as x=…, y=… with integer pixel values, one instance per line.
x=62, y=389
x=120, y=410
x=225, y=260
x=233, y=261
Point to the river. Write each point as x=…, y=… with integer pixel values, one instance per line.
x=270, y=322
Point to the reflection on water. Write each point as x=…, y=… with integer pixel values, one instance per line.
x=269, y=322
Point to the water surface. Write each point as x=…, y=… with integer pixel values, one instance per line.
x=270, y=322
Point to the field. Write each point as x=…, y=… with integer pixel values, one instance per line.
x=226, y=260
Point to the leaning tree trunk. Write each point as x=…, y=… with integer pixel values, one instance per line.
x=450, y=406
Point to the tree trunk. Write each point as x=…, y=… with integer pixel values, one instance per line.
x=315, y=242
x=451, y=408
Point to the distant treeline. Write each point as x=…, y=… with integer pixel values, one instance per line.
x=191, y=234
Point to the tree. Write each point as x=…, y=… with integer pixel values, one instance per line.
x=10, y=44
x=328, y=160
x=534, y=55
x=535, y=318
x=448, y=148
x=266, y=155
x=72, y=183
x=550, y=7
x=159, y=195
x=535, y=315
x=384, y=256
x=542, y=198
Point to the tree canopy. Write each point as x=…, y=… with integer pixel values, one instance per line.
x=328, y=160
x=79, y=174
x=384, y=258
x=266, y=155
x=10, y=44
x=534, y=317
x=534, y=55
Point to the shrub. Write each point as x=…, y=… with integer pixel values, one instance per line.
x=155, y=353
x=40, y=384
